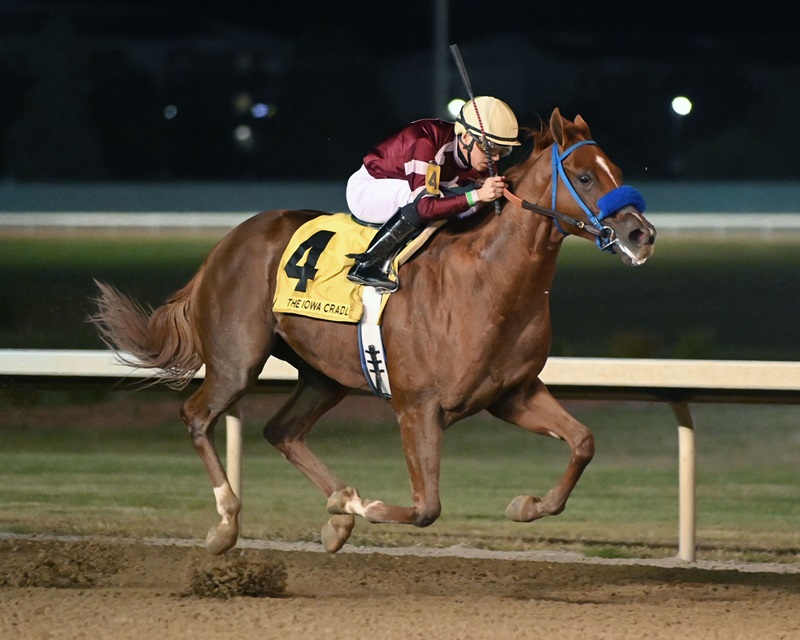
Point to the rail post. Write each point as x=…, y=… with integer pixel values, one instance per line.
x=233, y=455
x=687, y=512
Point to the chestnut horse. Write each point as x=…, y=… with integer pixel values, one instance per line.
x=468, y=330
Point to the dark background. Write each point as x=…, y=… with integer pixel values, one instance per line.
x=155, y=91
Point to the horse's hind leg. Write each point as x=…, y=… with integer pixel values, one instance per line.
x=536, y=410
x=421, y=431
x=287, y=430
x=200, y=413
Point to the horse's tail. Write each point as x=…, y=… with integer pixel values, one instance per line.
x=158, y=339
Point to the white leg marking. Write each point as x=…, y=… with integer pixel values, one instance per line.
x=221, y=494
x=357, y=506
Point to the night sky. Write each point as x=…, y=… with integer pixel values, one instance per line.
x=226, y=91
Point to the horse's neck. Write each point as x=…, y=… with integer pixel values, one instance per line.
x=523, y=243
x=524, y=251
x=509, y=258
x=512, y=256
x=529, y=231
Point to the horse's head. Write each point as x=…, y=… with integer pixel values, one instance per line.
x=587, y=187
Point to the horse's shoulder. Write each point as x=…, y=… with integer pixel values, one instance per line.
x=460, y=232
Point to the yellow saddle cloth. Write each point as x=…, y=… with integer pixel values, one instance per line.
x=312, y=278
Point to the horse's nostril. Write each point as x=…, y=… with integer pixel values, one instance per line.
x=637, y=237
x=642, y=236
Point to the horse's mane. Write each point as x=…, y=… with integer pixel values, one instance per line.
x=542, y=139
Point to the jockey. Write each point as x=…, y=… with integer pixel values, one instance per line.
x=429, y=170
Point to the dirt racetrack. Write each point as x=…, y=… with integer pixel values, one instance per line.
x=56, y=588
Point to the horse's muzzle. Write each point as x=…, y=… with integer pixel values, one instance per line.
x=635, y=236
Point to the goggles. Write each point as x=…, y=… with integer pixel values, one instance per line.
x=490, y=149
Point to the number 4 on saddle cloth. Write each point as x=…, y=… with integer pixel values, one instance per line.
x=312, y=282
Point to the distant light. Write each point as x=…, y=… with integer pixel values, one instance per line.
x=242, y=102
x=454, y=106
x=242, y=134
x=682, y=106
x=244, y=138
x=170, y=111
x=261, y=110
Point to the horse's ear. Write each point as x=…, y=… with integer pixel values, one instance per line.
x=583, y=127
x=557, y=126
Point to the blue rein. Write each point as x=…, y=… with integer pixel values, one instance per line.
x=609, y=204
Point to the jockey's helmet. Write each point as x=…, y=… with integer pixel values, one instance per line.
x=499, y=122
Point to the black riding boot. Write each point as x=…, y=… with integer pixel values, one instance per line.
x=372, y=267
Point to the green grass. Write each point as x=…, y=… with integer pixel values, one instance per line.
x=146, y=480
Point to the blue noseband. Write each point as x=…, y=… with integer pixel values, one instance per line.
x=609, y=204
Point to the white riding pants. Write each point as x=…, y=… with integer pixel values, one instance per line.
x=375, y=200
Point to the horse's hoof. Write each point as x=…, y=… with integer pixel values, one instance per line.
x=524, y=509
x=337, y=503
x=337, y=531
x=221, y=538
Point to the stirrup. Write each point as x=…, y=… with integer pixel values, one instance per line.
x=381, y=286
x=386, y=286
x=370, y=275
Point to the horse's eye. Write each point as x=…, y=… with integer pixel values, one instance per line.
x=584, y=178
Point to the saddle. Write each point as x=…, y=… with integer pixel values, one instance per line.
x=312, y=281
x=312, y=278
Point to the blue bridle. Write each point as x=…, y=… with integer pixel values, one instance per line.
x=609, y=204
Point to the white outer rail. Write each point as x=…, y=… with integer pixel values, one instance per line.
x=677, y=382
x=764, y=223
x=80, y=363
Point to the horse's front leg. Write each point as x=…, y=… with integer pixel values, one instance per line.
x=534, y=409
x=421, y=434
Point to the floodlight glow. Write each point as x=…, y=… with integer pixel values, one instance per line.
x=242, y=133
x=243, y=136
x=454, y=106
x=170, y=111
x=681, y=105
